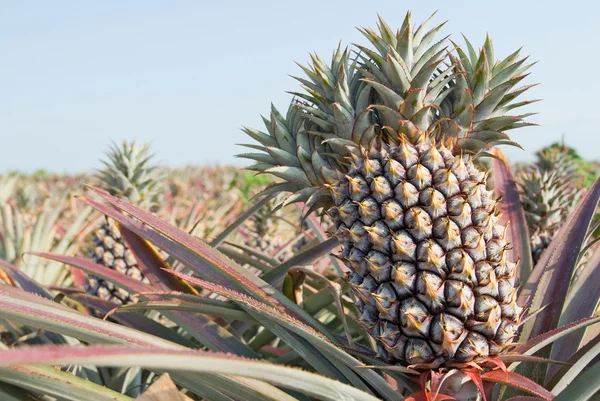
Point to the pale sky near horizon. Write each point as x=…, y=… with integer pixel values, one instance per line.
x=186, y=75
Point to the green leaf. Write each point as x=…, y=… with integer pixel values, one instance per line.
x=240, y=220
x=273, y=319
x=304, y=382
x=53, y=382
x=205, y=306
x=9, y=392
x=303, y=258
x=583, y=387
x=574, y=371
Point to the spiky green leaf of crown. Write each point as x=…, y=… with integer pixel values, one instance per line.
x=129, y=173
x=404, y=84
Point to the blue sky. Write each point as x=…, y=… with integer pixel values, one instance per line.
x=186, y=75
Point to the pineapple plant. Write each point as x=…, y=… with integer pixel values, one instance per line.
x=391, y=146
x=130, y=174
x=264, y=229
x=549, y=193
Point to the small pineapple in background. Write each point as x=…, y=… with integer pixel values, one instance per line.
x=388, y=145
x=265, y=231
x=272, y=231
x=549, y=192
x=264, y=228
x=269, y=230
x=128, y=174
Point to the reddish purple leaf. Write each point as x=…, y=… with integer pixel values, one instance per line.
x=199, y=256
x=204, y=330
x=78, y=277
x=26, y=283
x=509, y=358
x=563, y=370
x=552, y=288
x=245, y=300
x=475, y=376
x=131, y=284
x=529, y=287
x=521, y=382
x=134, y=320
x=166, y=244
x=579, y=305
x=207, y=262
x=14, y=301
x=512, y=212
x=421, y=396
x=152, y=264
x=539, y=342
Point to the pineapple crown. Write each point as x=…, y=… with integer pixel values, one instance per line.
x=404, y=86
x=556, y=159
x=129, y=173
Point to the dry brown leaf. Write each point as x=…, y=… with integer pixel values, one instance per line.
x=163, y=390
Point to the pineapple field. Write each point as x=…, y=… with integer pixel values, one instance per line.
x=378, y=245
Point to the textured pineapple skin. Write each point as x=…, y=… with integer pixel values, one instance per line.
x=110, y=250
x=263, y=232
x=421, y=237
x=549, y=194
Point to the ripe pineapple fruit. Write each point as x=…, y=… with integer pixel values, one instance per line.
x=128, y=174
x=549, y=194
x=390, y=145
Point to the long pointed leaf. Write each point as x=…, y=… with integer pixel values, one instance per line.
x=582, y=363
x=152, y=264
x=581, y=304
x=521, y=382
x=240, y=220
x=206, y=260
x=512, y=212
x=304, y=382
x=53, y=382
x=304, y=258
x=30, y=309
x=266, y=314
x=208, y=333
x=583, y=387
x=552, y=289
x=539, y=342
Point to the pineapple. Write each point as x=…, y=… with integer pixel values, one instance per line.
x=390, y=145
x=265, y=231
x=549, y=194
x=129, y=174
